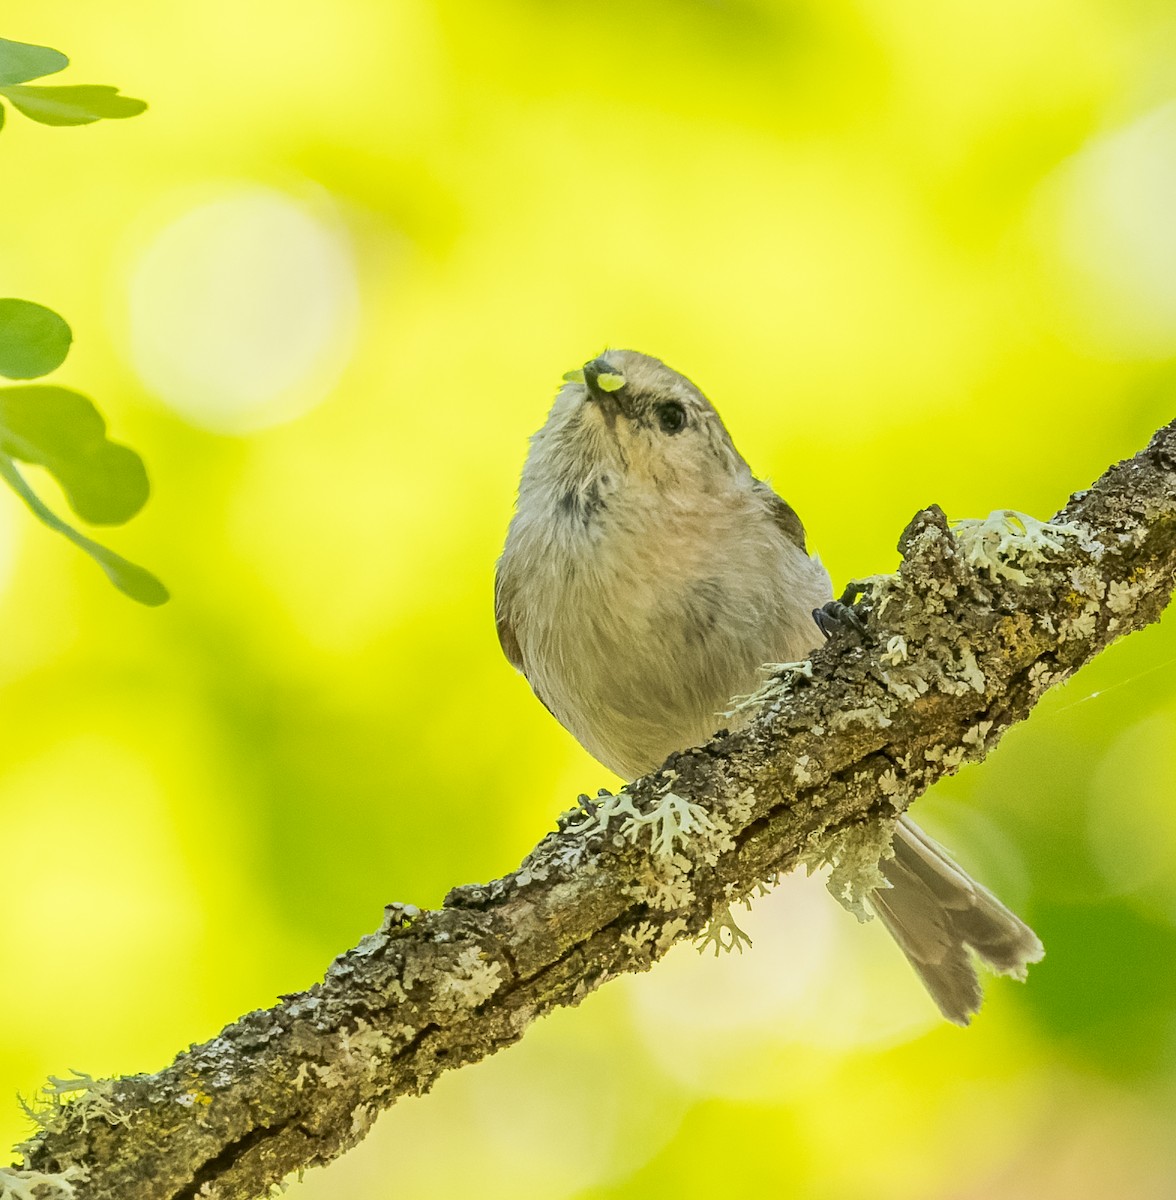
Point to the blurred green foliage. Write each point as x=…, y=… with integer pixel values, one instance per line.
x=914, y=253
x=105, y=483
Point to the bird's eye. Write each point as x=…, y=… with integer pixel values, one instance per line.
x=671, y=417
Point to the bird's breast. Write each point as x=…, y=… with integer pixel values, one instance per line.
x=637, y=632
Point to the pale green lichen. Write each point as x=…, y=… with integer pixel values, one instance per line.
x=865, y=718
x=671, y=820
x=969, y=671
x=949, y=757
x=905, y=684
x=896, y=651
x=1041, y=676
x=962, y=674
x=1084, y=625
x=740, y=808
x=57, y=1087
x=362, y=1119
x=610, y=381
x=724, y=934
x=1120, y=596
x=889, y=784
x=640, y=938
x=777, y=680
x=852, y=854
x=1004, y=538
x=80, y=1096
x=1084, y=602
x=474, y=978
x=361, y=1052
x=672, y=893
x=16, y=1184
x=975, y=735
x=649, y=941
x=560, y=858
x=1123, y=596
x=414, y=967
x=671, y=931
x=1088, y=581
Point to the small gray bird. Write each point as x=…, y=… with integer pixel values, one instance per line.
x=648, y=575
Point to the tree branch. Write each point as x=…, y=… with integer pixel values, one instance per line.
x=961, y=643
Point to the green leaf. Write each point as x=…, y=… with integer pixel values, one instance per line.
x=105, y=483
x=131, y=579
x=79, y=105
x=34, y=340
x=3, y=110
x=22, y=61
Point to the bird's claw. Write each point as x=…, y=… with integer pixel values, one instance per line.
x=837, y=615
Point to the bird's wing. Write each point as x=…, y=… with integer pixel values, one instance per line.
x=506, y=637
x=784, y=515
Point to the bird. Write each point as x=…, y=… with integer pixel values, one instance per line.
x=646, y=578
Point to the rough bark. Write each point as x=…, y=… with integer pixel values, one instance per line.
x=961, y=643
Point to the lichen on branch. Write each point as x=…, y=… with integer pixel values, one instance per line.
x=960, y=643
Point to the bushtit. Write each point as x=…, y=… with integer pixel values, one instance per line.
x=648, y=575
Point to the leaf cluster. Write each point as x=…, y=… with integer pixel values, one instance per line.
x=80, y=104
x=60, y=430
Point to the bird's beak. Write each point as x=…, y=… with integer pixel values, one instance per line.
x=605, y=385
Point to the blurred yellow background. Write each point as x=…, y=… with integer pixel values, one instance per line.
x=327, y=286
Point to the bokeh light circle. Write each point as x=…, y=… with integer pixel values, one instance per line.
x=243, y=309
x=1104, y=221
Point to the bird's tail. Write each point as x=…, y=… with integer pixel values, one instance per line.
x=935, y=912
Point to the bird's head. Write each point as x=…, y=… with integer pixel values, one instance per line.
x=628, y=413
